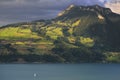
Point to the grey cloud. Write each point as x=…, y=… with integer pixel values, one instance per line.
x=7, y=0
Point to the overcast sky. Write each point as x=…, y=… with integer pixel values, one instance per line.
x=12, y=11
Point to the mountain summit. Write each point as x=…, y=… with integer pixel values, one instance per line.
x=73, y=10
x=77, y=34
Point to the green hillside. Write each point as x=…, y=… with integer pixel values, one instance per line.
x=78, y=34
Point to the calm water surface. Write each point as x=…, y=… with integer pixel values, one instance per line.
x=59, y=71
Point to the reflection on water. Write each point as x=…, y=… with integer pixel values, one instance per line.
x=59, y=71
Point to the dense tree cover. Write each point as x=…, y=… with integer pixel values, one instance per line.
x=77, y=54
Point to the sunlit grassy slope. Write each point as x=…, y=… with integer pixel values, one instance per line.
x=13, y=33
x=54, y=33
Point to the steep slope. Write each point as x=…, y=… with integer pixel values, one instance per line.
x=77, y=34
x=95, y=21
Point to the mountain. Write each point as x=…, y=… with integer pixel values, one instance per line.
x=78, y=34
x=106, y=21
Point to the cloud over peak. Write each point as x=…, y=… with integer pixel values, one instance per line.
x=114, y=6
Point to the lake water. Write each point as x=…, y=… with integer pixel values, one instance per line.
x=59, y=71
